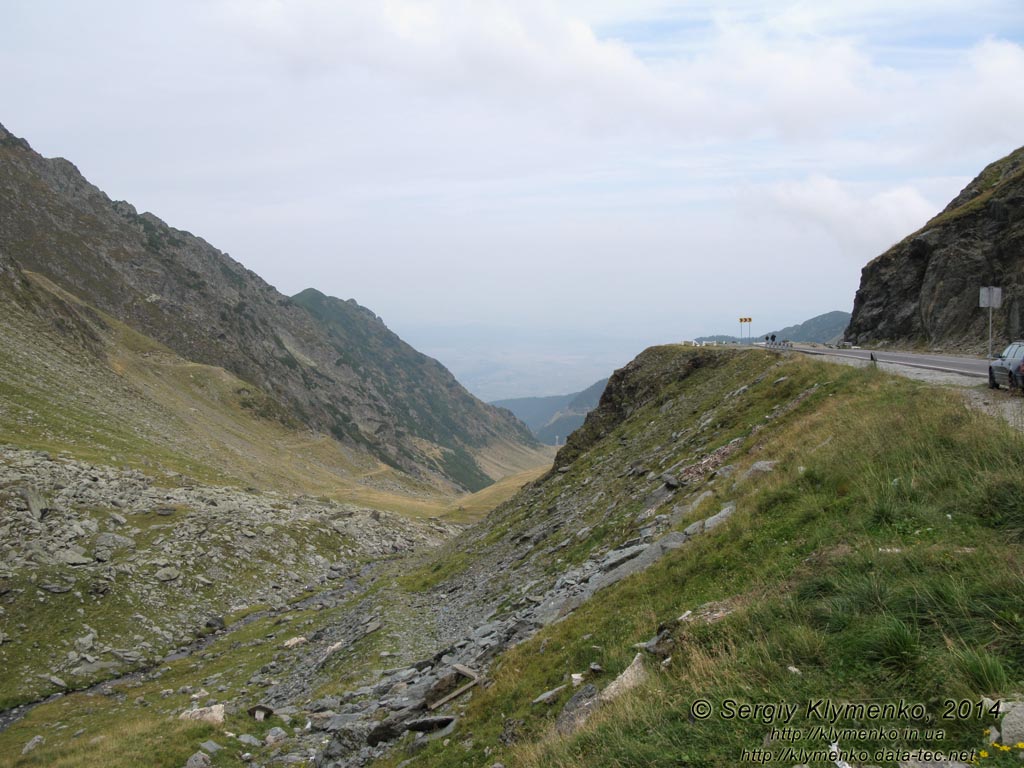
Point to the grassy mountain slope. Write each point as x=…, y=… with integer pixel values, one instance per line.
x=873, y=553
x=822, y=329
x=136, y=403
x=879, y=559
x=426, y=400
x=180, y=291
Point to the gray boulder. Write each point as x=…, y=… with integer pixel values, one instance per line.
x=576, y=709
x=170, y=573
x=71, y=557
x=758, y=468
x=34, y=501
x=548, y=697
x=275, y=736
x=1013, y=726
x=715, y=520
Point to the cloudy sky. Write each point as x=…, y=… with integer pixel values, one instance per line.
x=530, y=191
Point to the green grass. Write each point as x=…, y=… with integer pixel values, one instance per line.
x=990, y=182
x=140, y=711
x=882, y=559
x=474, y=507
x=438, y=568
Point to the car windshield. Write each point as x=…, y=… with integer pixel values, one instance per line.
x=1008, y=350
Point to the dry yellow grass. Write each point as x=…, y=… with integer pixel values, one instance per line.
x=475, y=506
x=504, y=459
x=150, y=741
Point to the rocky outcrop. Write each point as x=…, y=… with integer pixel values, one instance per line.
x=630, y=388
x=334, y=365
x=924, y=290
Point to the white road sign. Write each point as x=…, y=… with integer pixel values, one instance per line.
x=991, y=296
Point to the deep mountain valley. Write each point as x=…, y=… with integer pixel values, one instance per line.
x=239, y=528
x=329, y=365
x=553, y=419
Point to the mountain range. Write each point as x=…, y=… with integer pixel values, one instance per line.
x=552, y=419
x=821, y=329
x=234, y=527
x=330, y=365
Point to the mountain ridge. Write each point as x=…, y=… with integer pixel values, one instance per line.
x=181, y=291
x=821, y=329
x=720, y=521
x=554, y=418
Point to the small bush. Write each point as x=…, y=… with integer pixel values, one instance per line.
x=984, y=670
x=894, y=644
x=816, y=588
x=1000, y=504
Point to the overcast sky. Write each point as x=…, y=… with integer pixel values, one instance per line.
x=530, y=191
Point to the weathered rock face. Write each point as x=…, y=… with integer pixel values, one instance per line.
x=334, y=365
x=925, y=288
x=630, y=388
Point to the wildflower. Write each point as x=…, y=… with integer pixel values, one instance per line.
x=983, y=753
x=1004, y=748
x=1019, y=745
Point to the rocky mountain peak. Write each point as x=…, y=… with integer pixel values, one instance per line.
x=9, y=139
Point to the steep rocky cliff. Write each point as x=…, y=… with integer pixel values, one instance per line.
x=354, y=379
x=924, y=290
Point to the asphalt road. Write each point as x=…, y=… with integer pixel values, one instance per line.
x=968, y=366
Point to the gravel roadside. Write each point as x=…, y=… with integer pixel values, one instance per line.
x=1002, y=404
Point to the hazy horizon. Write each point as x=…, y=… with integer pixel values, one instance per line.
x=531, y=192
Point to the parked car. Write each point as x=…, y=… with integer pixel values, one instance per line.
x=1008, y=367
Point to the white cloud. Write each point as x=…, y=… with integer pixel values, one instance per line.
x=862, y=222
x=535, y=161
x=803, y=72
x=984, y=102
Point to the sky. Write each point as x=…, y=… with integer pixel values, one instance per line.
x=532, y=192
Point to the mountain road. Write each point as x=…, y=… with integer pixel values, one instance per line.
x=966, y=366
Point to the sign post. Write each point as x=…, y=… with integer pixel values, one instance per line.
x=991, y=296
x=747, y=321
